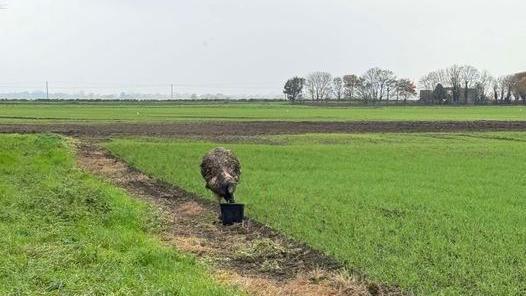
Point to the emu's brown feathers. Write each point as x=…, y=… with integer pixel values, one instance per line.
x=221, y=170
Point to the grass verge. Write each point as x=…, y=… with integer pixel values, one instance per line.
x=63, y=232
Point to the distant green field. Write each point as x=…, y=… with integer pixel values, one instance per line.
x=165, y=112
x=438, y=214
x=63, y=232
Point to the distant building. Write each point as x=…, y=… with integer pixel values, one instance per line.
x=426, y=95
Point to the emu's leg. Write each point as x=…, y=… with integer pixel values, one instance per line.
x=218, y=201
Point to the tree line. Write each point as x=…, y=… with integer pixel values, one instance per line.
x=453, y=84
x=374, y=85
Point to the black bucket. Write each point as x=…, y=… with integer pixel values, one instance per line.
x=232, y=213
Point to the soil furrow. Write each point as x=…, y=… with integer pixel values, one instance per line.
x=251, y=128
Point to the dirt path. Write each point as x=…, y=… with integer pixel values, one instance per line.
x=250, y=255
x=251, y=128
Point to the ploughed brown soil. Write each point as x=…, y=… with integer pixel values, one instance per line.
x=249, y=255
x=215, y=129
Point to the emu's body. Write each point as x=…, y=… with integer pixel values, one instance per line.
x=221, y=170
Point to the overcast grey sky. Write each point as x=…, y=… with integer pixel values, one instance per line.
x=240, y=46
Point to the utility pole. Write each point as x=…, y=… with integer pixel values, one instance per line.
x=47, y=90
x=171, y=91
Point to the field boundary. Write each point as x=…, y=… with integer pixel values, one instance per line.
x=252, y=128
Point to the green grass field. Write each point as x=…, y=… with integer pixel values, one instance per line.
x=63, y=232
x=164, y=112
x=439, y=214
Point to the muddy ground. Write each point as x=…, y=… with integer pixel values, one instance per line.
x=250, y=255
x=220, y=129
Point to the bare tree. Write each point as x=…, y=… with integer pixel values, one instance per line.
x=425, y=82
x=454, y=77
x=508, y=85
x=484, y=85
x=470, y=75
x=319, y=85
x=390, y=87
x=351, y=83
x=495, y=88
x=387, y=81
x=432, y=79
x=503, y=89
x=370, y=89
x=500, y=88
x=376, y=82
x=365, y=91
x=438, y=76
x=337, y=88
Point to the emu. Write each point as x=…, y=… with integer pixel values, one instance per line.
x=221, y=170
